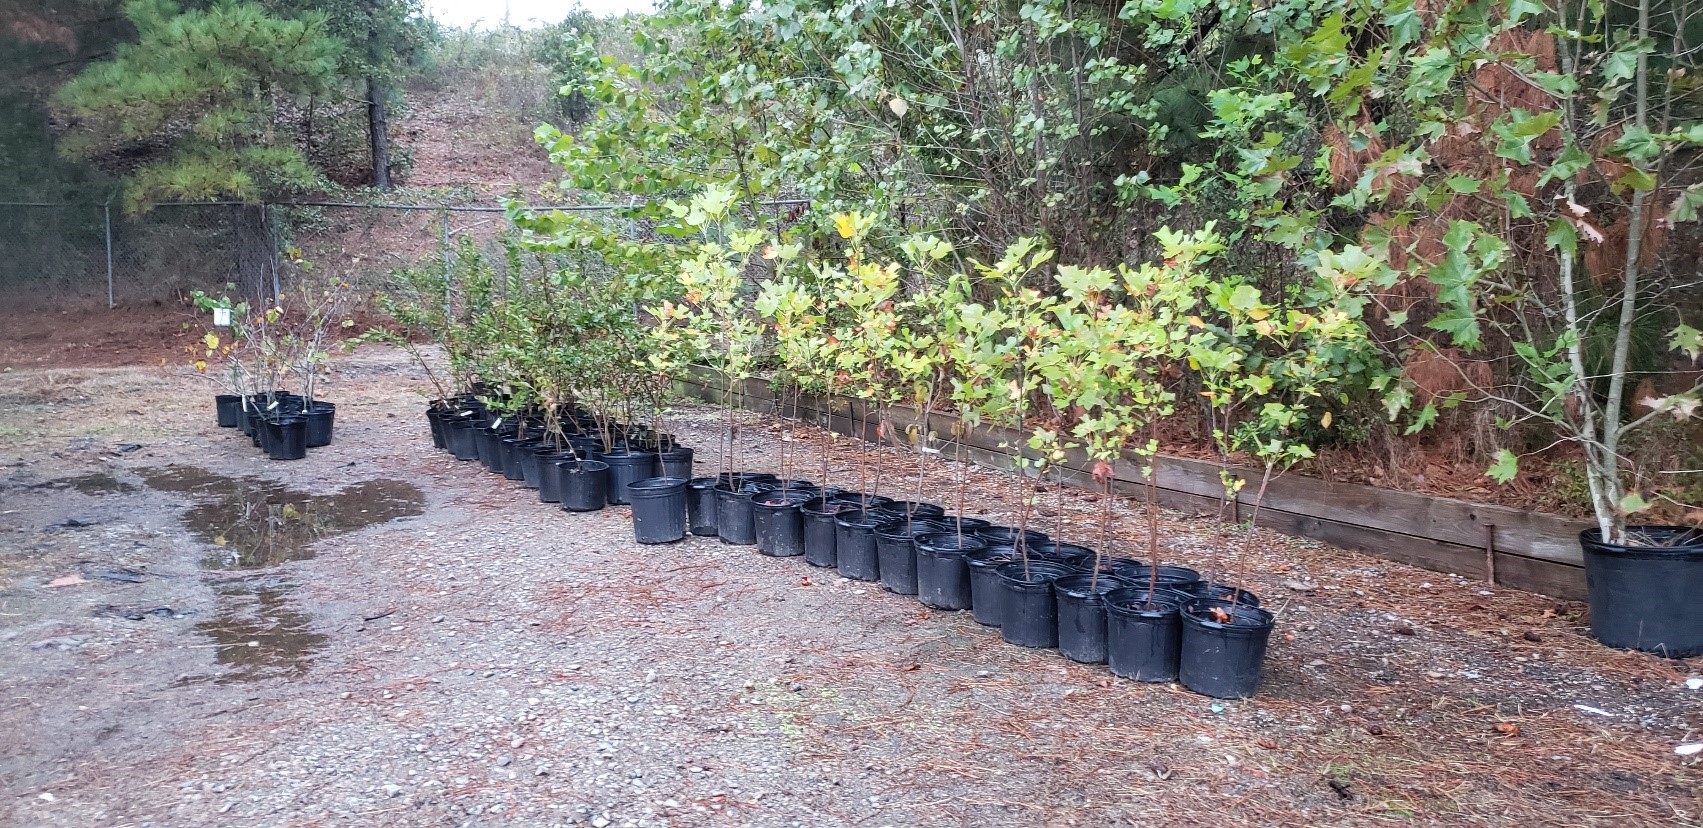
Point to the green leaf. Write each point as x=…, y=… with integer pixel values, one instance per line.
x=1633, y=503
x=1505, y=468
x=1519, y=10
x=1636, y=179
x=1423, y=419
x=1686, y=204
x=1687, y=339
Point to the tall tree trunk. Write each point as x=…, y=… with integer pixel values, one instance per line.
x=254, y=251
x=378, y=134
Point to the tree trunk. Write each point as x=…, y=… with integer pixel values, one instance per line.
x=254, y=251
x=378, y=134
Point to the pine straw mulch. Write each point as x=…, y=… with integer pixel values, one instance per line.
x=1391, y=692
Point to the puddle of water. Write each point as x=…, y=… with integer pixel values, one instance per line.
x=258, y=523
x=258, y=631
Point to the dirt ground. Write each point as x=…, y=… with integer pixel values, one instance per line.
x=380, y=635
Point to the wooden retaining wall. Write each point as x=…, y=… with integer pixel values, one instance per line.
x=1534, y=551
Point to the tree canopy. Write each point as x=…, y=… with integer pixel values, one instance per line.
x=191, y=110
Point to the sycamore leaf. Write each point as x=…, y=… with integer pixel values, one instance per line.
x=1681, y=406
x=1633, y=503
x=1688, y=339
x=1507, y=465
x=843, y=223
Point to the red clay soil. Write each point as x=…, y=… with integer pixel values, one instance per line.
x=97, y=337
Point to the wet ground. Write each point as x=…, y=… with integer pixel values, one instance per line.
x=379, y=635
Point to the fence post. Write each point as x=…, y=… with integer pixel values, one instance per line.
x=266, y=215
x=106, y=212
x=448, y=272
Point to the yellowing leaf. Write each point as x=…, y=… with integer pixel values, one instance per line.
x=898, y=105
x=843, y=223
x=219, y=540
x=1324, y=422
x=212, y=340
x=201, y=366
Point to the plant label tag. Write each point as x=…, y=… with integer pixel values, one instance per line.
x=222, y=317
x=498, y=423
x=272, y=406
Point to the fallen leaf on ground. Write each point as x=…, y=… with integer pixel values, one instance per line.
x=67, y=580
x=1507, y=728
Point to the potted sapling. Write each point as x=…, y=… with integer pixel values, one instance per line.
x=714, y=312
x=1090, y=370
x=227, y=349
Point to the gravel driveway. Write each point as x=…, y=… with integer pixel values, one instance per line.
x=379, y=635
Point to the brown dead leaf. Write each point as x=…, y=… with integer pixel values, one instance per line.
x=1268, y=744
x=1508, y=729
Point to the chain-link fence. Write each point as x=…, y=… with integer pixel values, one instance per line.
x=75, y=256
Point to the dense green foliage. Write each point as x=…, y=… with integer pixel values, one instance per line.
x=195, y=97
x=1425, y=212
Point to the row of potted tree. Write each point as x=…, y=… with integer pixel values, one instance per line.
x=1080, y=362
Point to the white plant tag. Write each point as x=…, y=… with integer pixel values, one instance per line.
x=272, y=406
x=498, y=423
x=222, y=317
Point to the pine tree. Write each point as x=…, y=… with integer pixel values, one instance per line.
x=190, y=112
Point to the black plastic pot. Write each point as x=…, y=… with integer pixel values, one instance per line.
x=1082, y=615
x=511, y=448
x=248, y=418
x=701, y=506
x=321, y=418
x=1143, y=639
x=625, y=468
x=737, y=479
x=855, y=555
x=434, y=418
x=286, y=437
x=1030, y=613
x=987, y=596
x=490, y=449
x=735, y=524
x=582, y=485
x=777, y=523
x=1647, y=597
x=675, y=462
x=1108, y=566
x=1007, y=536
x=659, y=509
x=897, y=553
x=1065, y=553
x=911, y=509
x=532, y=463
x=1174, y=578
x=942, y=571
x=544, y=459
x=462, y=438
x=966, y=525
x=818, y=517
x=1221, y=592
x=1223, y=659
x=860, y=501
x=228, y=409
